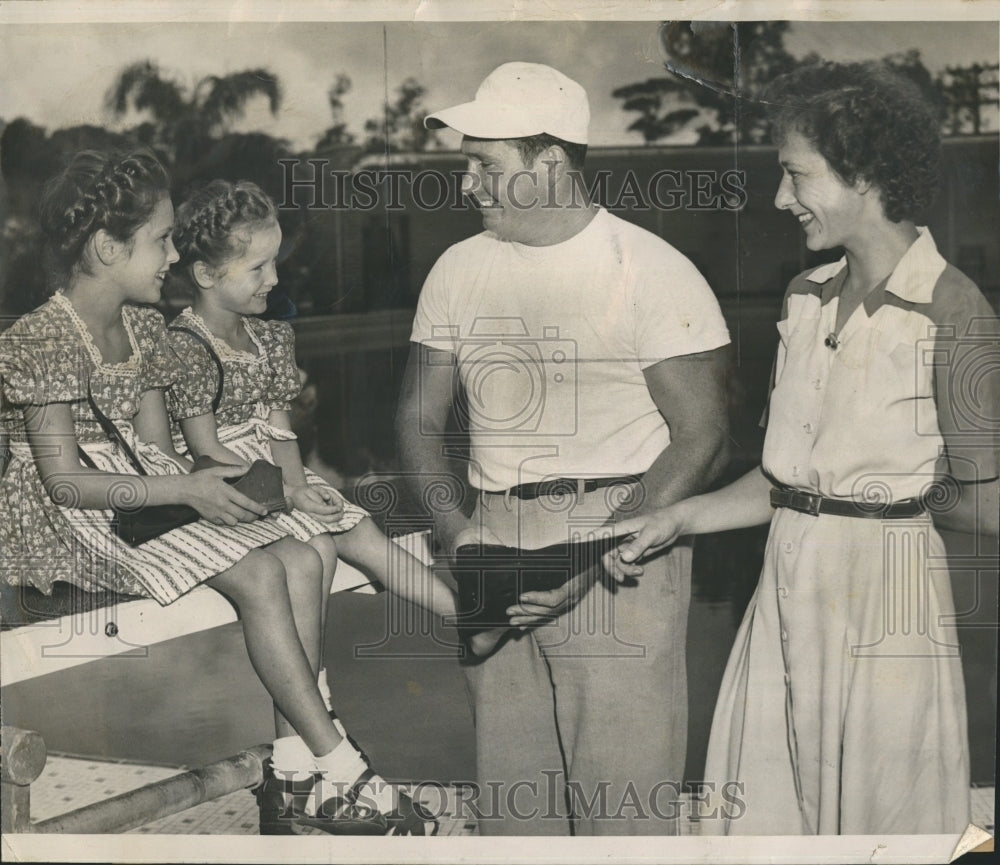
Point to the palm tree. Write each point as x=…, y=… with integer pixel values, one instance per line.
x=186, y=122
x=401, y=127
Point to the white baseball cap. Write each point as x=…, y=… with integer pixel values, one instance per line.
x=521, y=99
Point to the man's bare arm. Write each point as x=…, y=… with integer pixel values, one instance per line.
x=425, y=404
x=690, y=392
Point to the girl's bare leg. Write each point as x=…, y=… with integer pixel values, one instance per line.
x=404, y=575
x=307, y=592
x=326, y=546
x=258, y=585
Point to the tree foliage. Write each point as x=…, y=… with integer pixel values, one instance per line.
x=337, y=134
x=401, y=127
x=185, y=121
x=713, y=72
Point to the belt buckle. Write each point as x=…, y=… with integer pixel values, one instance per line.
x=812, y=502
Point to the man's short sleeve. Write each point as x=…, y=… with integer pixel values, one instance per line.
x=676, y=312
x=432, y=323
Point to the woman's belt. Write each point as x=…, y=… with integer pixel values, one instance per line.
x=812, y=503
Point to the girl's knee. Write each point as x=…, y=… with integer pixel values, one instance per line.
x=258, y=575
x=264, y=565
x=301, y=560
x=326, y=547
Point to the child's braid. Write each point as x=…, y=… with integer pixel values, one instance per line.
x=116, y=192
x=213, y=224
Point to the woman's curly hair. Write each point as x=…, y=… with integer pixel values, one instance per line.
x=215, y=223
x=869, y=122
x=114, y=191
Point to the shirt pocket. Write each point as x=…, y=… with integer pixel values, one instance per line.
x=914, y=377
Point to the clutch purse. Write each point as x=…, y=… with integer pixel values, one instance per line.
x=490, y=578
x=262, y=482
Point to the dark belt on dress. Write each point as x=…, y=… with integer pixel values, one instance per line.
x=564, y=486
x=812, y=503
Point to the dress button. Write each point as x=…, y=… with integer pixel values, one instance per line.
x=795, y=471
x=818, y=384
x=807, y=427
x=784, y=635
x=789, y=546
x=782, y=592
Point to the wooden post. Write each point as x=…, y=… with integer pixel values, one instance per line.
x=163, y=798
x=23, y=758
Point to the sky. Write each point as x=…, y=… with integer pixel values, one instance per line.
x=57, y=74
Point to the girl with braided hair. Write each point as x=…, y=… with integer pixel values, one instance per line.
x=91, y=365
x=233, y=405
x=842, y=708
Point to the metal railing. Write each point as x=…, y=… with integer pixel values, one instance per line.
x=24, y=758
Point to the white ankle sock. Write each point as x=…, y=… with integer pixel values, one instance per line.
x=344, y=764
x=292, y=762
x=291, y=754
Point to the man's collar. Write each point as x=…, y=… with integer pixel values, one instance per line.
x=914, y=277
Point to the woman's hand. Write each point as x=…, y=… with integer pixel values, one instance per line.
x=642, y=535
x=315, y=500
x=218, y=502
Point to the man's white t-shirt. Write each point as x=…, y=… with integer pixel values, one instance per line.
x=552, y=342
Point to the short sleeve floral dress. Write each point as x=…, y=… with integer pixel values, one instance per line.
x=253, y=386
x=48, y=357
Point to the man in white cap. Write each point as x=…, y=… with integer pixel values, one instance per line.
x=591, y=355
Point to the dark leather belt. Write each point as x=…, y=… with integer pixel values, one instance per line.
x=564, y=486
x=811, y=503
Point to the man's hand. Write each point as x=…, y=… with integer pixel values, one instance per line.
x=537, y=608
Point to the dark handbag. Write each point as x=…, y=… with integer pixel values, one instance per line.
x=262, y=483
x=490, y=578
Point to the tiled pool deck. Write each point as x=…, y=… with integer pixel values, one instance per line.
x=71, y=782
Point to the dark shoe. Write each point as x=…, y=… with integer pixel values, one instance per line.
x=282, y=804
x=342, y=814
x=352, y=813
x=279, y=801
x=410, y=818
